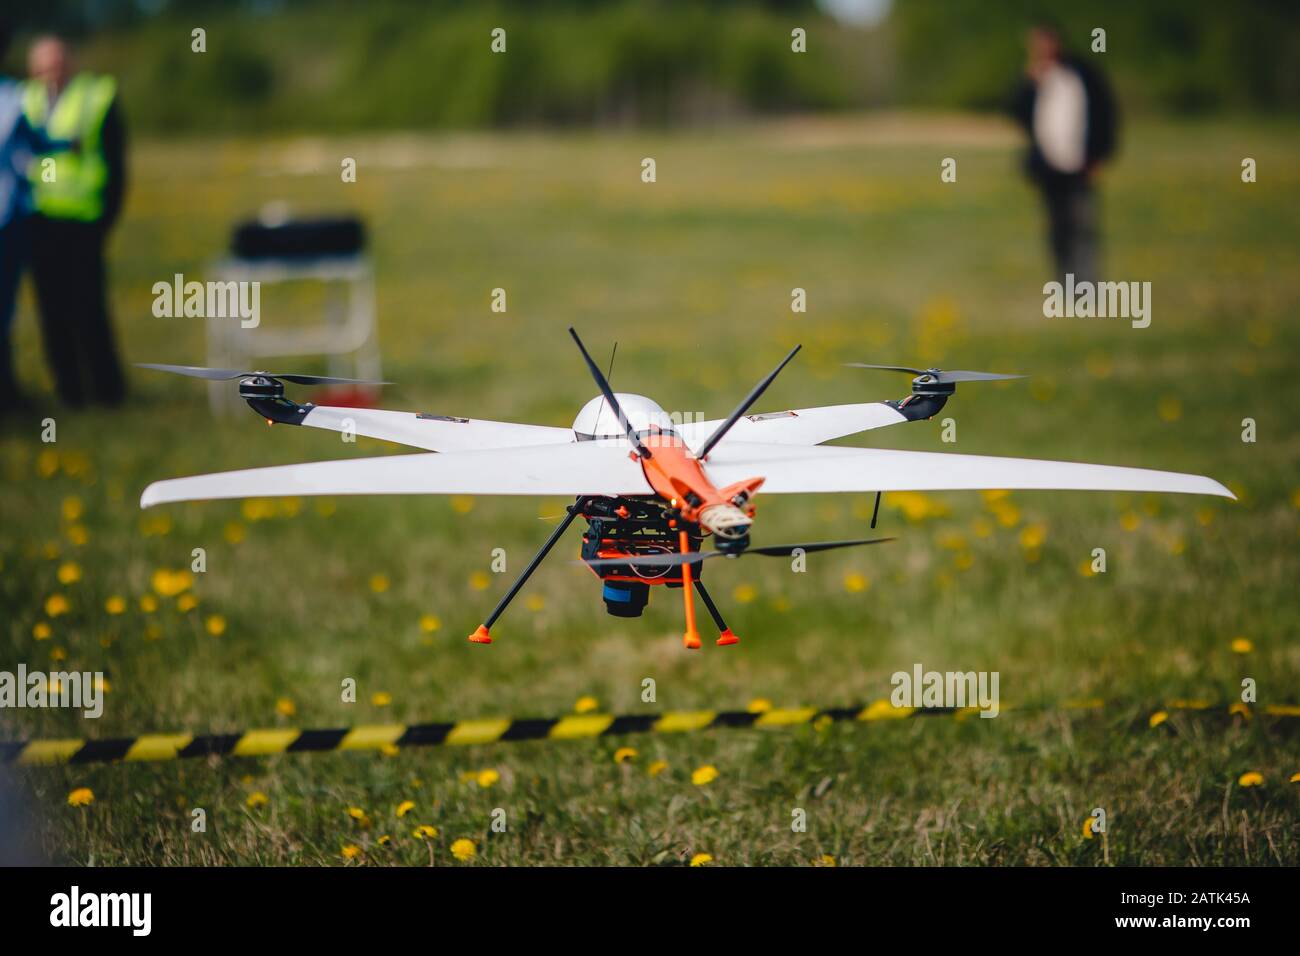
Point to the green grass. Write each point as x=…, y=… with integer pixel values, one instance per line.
x=692, y=275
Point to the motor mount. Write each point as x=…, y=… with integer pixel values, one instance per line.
x=260, y=386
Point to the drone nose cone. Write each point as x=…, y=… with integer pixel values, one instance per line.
x=726, y=521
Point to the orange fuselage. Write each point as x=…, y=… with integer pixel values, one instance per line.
x=678, y=477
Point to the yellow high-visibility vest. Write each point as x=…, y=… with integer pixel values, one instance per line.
x=73, y=187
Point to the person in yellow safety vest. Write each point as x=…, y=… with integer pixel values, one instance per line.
x=76, y=197
x=18, y=141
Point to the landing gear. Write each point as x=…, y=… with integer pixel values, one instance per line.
x=691, y=639
x=482, y=635
x=726, y=638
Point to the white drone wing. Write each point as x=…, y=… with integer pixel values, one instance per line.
x=800, y=426
x=832, y=469
x=433, y=432
x=589, y=468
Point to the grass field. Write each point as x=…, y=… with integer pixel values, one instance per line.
x=692, y=275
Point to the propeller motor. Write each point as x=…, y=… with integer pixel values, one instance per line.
x=936, y=381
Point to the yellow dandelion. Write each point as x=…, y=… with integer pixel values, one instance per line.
x=656, y=768
x=215, y=625
x=479, y=581
x=168, y=583
x=1088, y=832
x=1170, y=408
x=826, y=860
x=1158, y=718
x=81, y=797
x=1007, y=514
x=1085, y=568
x=1129, y=521
x=257, y=799
x=586, y=705
x=362, y=818
x=462, y=504
x=1295, y=778
x=429, y=623
x=77, y=534
x=115, y=605
x=351, y=851
x=257, y=509
x=389, y=749
x=855, y=583
x=155, y=525
x=1033, y=536
x=285, y=707
x=952, y=541
x=624, y=754
x=704, y=775
x=486, y=778
x=148, y=604
x=1242, y=645
x=186, y=603
x=1250, y=779
x=963, y=560
x=425, y=832
x=41, y=631
x=51, y=551
x=233, y=532
x=744, y=593
x=384, y=840
x=700, y=859
x=47, y=463
x=58, y=654
x=55, y=605
x=405, y=807
x=759, y=705
x=72, y=508
x=381, y=698
x=464, y=849
x=379, y=583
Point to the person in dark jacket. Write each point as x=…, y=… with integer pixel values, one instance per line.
x=77, y=197
x=1067, y=108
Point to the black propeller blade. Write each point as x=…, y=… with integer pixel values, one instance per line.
x=744, y=406
x=939, y=375
x=608, y=392
x=673, y=558
x=229, y=374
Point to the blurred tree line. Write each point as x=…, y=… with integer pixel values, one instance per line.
x=329, y=64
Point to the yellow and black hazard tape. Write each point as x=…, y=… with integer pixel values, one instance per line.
x=258, y=743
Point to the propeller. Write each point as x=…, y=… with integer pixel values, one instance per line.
x=939, y=376
x=744, y=406
x=673, y=558
x=230, y=374
x=603, y=383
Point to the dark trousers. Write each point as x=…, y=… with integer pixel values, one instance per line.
x=13, y=253
x=1072, y=229
x=71, y=289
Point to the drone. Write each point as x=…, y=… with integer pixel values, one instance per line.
x=650, y=489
